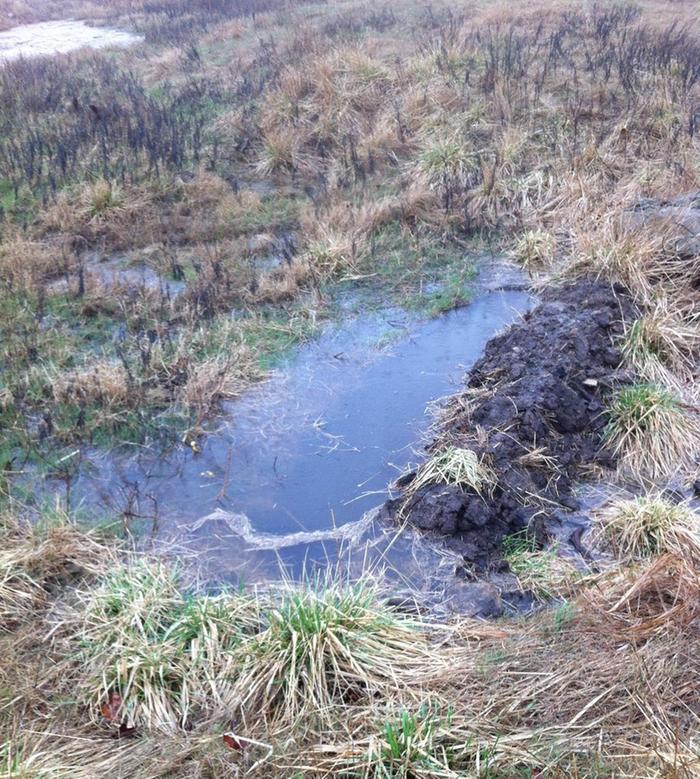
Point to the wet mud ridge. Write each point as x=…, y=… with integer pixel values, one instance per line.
x=533, y=413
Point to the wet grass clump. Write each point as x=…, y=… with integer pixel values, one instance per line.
x=650, y=431
x=320, y=648
x=648, y=525
x=540, y=572
x=455, y=465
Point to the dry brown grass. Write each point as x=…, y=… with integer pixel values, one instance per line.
x=606, y=682
x=567, y=694
x=25, y=265
x=217, y=379
x=36, y=557
x=103, y=382
x=648, y=525
x=172, y=211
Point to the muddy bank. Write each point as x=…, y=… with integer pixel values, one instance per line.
x=533, y=411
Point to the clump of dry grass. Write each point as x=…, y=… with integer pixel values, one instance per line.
x=25, y=265
x=104, y=211
x=660, y=600
x=216, y=379
x=325, y=648
x=662, y=345
x=36, y=556
x=534, y=249
x=456, y=465
x=621, y=256
x=652, y=432
x=285, y=282
x=282, y=153
x=647, y=526
x=104, y=382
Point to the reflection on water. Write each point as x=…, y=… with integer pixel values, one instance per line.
x=310, y=450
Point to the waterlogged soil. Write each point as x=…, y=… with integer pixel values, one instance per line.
x=118, y=272
x=47, y=38
x=533, y=410
x=292, y=471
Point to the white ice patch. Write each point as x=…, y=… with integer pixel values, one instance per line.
x=47, y=38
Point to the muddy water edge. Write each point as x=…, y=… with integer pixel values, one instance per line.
x=290, y=475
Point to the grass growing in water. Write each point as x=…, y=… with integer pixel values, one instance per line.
x=541, y=572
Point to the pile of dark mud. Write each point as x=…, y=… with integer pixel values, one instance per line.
x=534, y=409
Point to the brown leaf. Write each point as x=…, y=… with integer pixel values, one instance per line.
x=232, y=742
x=110, y=710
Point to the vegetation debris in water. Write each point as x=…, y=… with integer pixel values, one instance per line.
x=176, y=216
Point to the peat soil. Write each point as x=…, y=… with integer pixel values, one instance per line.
x=533, y=409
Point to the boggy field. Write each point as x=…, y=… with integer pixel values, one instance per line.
x=177, y=215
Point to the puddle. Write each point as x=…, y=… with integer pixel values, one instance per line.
x=117, y=271
x=289, y=475
x=47, y=38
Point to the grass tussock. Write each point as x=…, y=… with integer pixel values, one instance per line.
x=324, y=648
x=662, y=345
x=534, y=250
x=652, y=432
x=158, y=653
x=647, y=526
x=455, y=465
x=37, y=557
x=360, y=689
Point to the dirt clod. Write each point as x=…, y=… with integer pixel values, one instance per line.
x=533, y=409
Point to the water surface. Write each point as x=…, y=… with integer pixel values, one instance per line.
x=312, y=449
x=46, y=38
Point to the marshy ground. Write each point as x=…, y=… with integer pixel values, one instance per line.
x=179, y=215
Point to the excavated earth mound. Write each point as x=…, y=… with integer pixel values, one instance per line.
x=534, y=410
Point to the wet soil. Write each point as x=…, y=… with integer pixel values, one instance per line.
x=534, y=409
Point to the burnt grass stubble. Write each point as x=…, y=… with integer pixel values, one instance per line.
x=541, y=385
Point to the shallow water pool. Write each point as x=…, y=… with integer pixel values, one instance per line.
x=59, y=37
x=309, y=451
